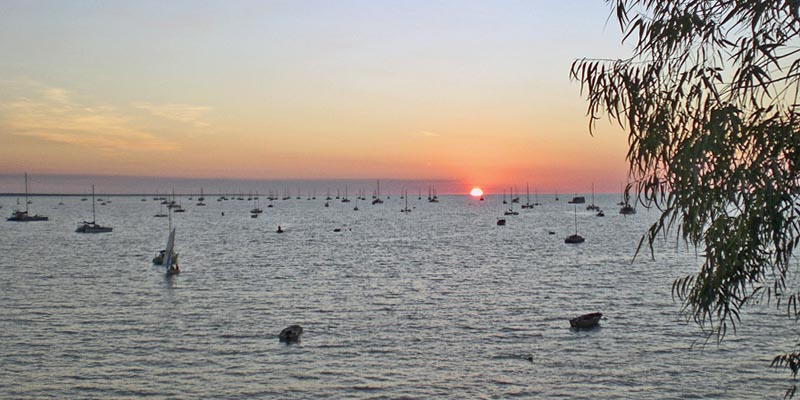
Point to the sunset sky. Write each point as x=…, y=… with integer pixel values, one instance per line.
x=476, y=92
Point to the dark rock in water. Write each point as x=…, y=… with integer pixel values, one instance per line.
x=291, y=334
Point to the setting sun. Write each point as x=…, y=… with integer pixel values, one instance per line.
x=476, y=192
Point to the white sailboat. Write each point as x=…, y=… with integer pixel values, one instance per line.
x=171, y=257
x=168, y=257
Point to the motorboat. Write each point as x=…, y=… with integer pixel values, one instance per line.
x=586, y=321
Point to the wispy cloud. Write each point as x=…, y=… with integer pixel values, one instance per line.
x=428, y=134
x=51, y=114
x=184, y=113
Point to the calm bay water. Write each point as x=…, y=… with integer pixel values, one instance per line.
x=439, y=302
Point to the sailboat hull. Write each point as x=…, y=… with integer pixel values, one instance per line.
x=91, y=228
x=24, y=217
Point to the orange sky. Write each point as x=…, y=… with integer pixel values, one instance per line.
x=476, y=92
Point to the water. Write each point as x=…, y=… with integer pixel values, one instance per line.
x=437, y=303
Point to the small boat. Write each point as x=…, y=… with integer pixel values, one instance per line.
x=93, y=227
x=574, y=239
x=291, y=334
x=601, y=213
x=586, y=321
x=501, y=222
x=627, y=210
x=577, y=200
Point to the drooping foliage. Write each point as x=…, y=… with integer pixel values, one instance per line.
x=709, y=100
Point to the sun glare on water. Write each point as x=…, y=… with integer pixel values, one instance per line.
x=476, y=192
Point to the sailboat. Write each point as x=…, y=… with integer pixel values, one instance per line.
x=592, y=207
x=527, y=197
x=93, y=227
x=23, y=216
x=171, y=260
x=160, y=211
x=345, y=199
x=406, y=209
x=378, y=195
x=575, y=239
x=432, y=197
x=256, y=210
x=511, y=207
x=201, y=199
x=626, y=208
x=168, y=257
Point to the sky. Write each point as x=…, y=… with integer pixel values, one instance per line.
x=472, y=91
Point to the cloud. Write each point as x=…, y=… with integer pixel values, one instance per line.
x=184, y=113
x=51, y=114
x=428, y=134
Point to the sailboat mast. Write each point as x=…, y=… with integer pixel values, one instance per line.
x=93, y=201
x=576, y=220
x=528, y=192
x=26, y=193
